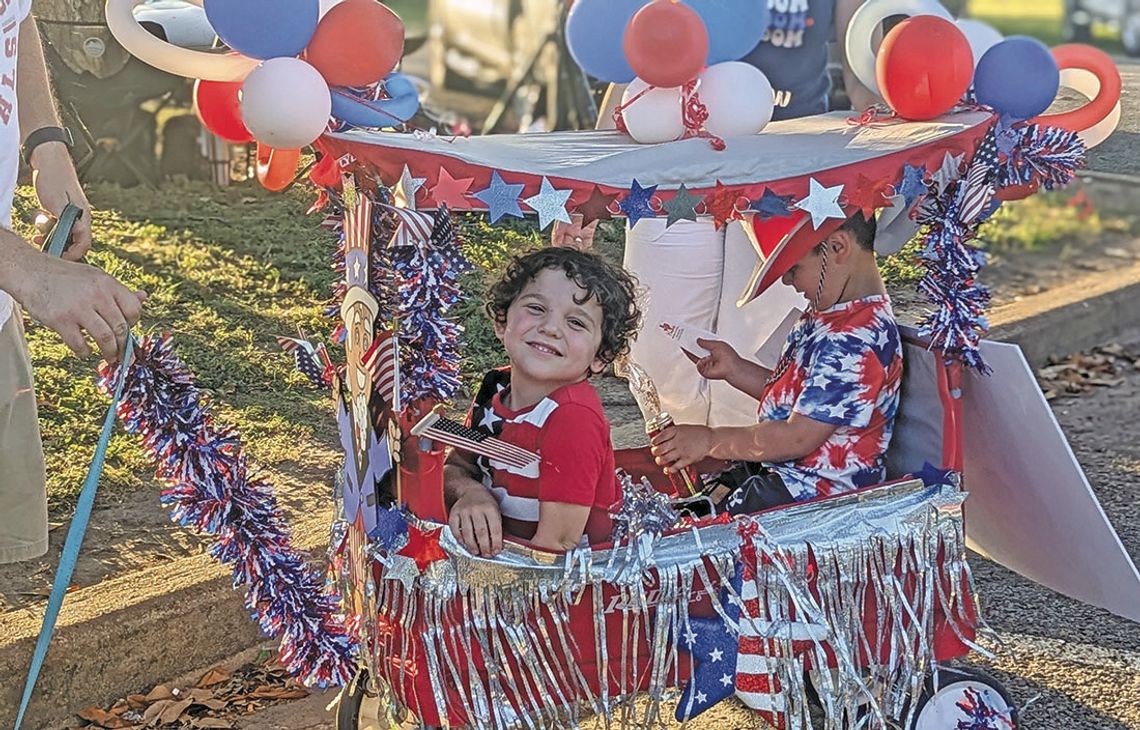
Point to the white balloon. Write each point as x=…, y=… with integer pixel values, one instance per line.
x=1085, y=83
x=738, y=96
x=327, y=5
x=865, y=22
x=653, y=114
x=285, y=103
x=170, y=58
x=982, y=36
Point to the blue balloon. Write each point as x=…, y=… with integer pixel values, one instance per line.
x=1018, y=77
x=735, y=27
x=594, y=31
x=353, y=109
x=264, y=29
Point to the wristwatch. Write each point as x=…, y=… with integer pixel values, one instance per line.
x=43, y=135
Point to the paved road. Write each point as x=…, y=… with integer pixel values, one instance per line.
x=1120, y=153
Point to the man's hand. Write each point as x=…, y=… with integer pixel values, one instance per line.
x=72, y=298
x=679, y=446
x=722, y=362
x=476, y=520
x=574, y=234
x=57, y=184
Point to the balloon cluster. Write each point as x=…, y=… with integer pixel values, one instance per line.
x=680, y=61
x=293, y=64
x=927, y=63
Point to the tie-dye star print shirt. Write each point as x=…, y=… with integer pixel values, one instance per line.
x=841, y=366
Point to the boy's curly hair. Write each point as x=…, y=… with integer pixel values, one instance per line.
x=614, y=288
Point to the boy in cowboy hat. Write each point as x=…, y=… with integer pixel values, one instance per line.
x=828, y=407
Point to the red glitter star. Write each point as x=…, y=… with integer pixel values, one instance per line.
x=596, y=207
x=867, y=194
x=423, y=547
x=721, y=205
x=451, y=191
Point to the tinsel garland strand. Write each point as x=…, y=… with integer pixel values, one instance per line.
x=210, y=488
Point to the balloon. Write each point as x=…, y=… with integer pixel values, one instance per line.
x=219, y=109
x=738, y=97
x=735, y=27
x=264, y=28
x=1078, y=63
x=403, y=101
x=865, y=21
x=1017, y=77
x=653, y=114
x=924, y=67
x=276, y=168
x=164, y=56
x=327, y=5
x=594, y=30
x=666, y=43
x=357, y=43
x=285, y=103
x=982, y=36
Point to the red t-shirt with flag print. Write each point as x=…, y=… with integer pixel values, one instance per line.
x=569, y=431
x=841, y=366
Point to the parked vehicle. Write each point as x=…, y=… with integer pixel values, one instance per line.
x=1121, y=16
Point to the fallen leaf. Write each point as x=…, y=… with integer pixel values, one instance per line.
x=137, y=702
x=97, y=716
x=153, y=712
x=160, y=692
x=214, y=676
x=172, y=712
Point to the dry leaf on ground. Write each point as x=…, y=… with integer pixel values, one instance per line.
x=217, y=675
x=1079, y=373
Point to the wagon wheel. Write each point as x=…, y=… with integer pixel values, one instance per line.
x=362, y=708
x=960, y=692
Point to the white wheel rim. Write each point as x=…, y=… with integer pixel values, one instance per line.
x=862, y=27
x=943, y=711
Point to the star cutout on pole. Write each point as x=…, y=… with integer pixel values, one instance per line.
x=406, y=188
x=868, y=194
x=712, y=644
x=450, y=191
x=949, y=171
x=637, y=204
x=596, y=207
x=682, y=206
x=721, y=205
x=913, y=183
x=771, y=205
x=550, y=204
x=821, y=203
x=501, y=198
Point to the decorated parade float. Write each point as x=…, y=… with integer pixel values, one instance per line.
x=849, y=608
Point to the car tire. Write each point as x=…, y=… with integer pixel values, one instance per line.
x=938, y=707
x=1075, y=30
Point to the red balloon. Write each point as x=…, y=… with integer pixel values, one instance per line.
x=357, y=43
x=923, y=67
x=666, y=43
x=219, y=109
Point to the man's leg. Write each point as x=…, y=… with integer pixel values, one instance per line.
x=23, y=500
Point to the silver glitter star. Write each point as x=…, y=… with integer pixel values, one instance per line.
x=406, y=188
x=821, y=203
x=550, y=204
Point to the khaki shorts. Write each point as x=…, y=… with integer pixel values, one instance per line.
x=23, y=496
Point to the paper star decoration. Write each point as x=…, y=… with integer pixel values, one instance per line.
x=636, y=204
x=450, y=191
x=949, y=171
x=868, y=194
x=681, y=207
x=501, y=198
x=423, y=547
x=597, y=206
x=721, y=205
x=712, y=646
x=771, y=205
x=550, y=204
x=912, y=184
x=406, y=188
x=821, y=203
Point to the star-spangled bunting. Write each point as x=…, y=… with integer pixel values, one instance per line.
x=636, y=204
x=712, y=644
x=501, y=198
x=549, y=203
x=913, y=183
x=681, y=207
x=821, y=203
x=406, y=188
x=949, y=171
x=451, y=191
x=771, y=205
x=868, y=194
x=596, y=207
x=721, y=205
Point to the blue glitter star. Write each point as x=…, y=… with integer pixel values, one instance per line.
x=931, y=475
x=713, y=649
x=913, y=183
x=501, y=198
x=771, y=205
x=637, y=204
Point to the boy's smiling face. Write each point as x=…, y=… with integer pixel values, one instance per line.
x=551, y=338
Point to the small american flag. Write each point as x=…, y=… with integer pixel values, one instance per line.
x=443, y=240
x=977, y=187
x=453, y=433
x=382, y=359
x=414, y=227
x=312, y=360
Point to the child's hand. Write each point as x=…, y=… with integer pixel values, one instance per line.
x=679, y=446
x=721, y=362
x=476, y=520
x=573, y=234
